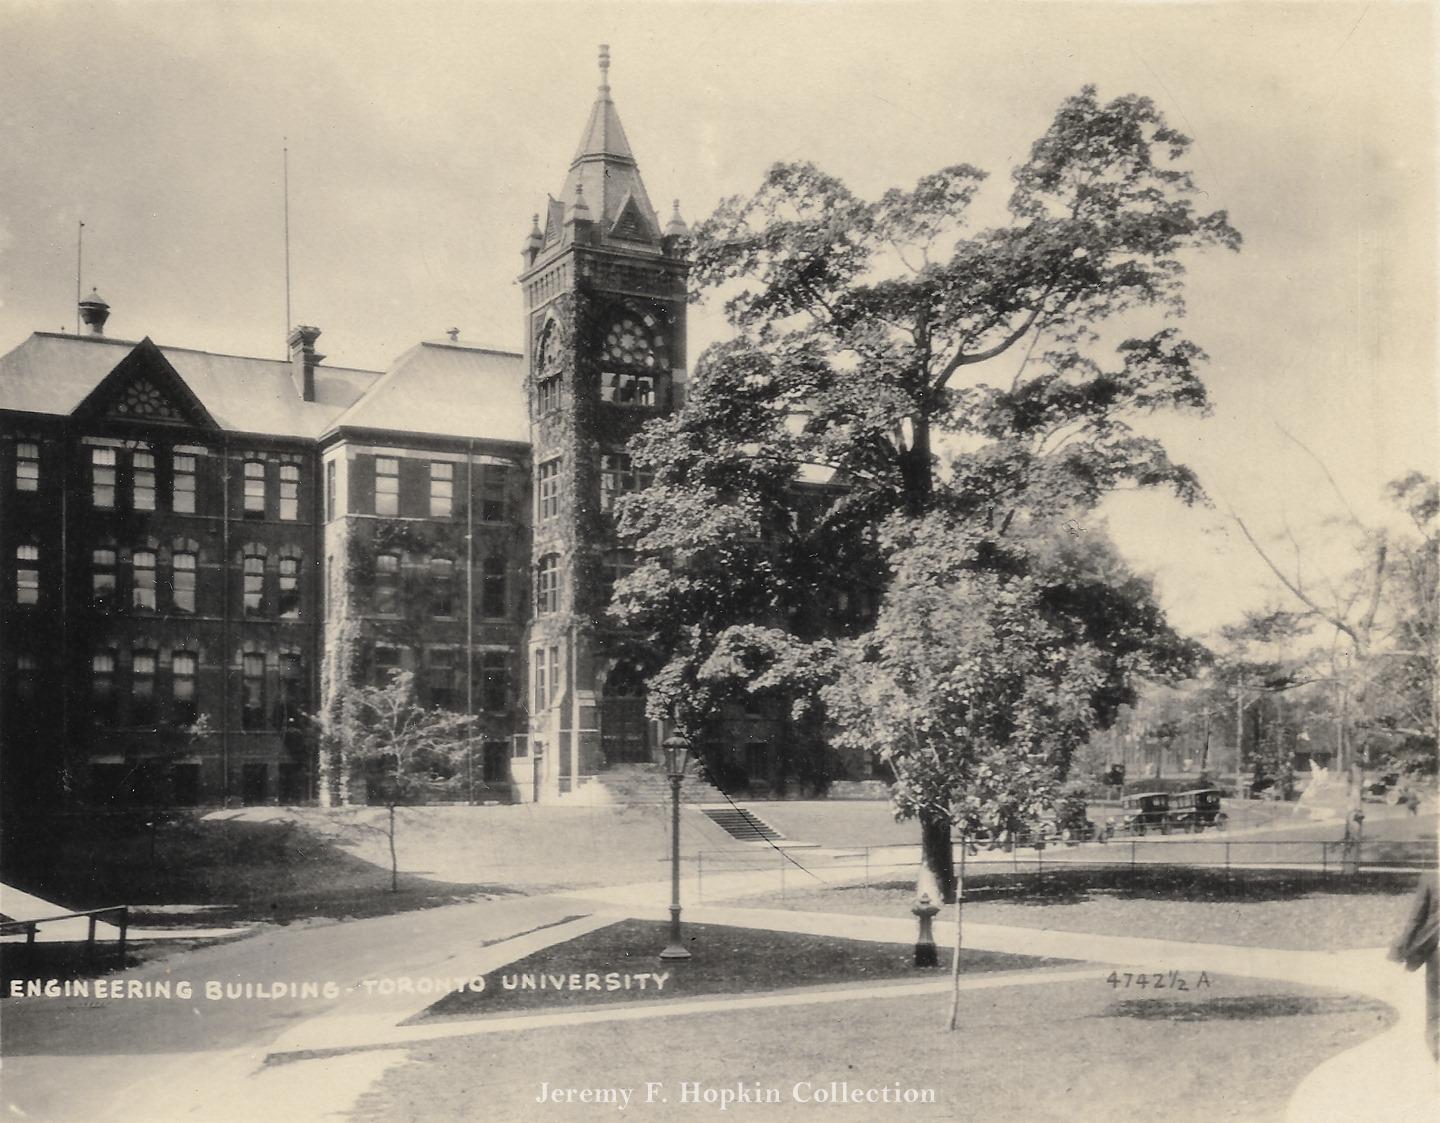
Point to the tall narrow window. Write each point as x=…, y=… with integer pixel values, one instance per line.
x=290, y=491
x=27, y=466
x=330, y=489
x=442, y=491
x=253, y=577
x=102, y=477
x=182, y=680
x=387, y=486
x=494, y=681
x=542, y=698
x=182, y=582
x=102, y=687
x=102, y=578
x=492, y=588
x=387, y=584
x=550, y=489
x=142, y=688
x=27, y=574
x=252, y=690
x=617, y=564
x=182, y=484
x=618, y=476
x=254, y=489
x=142, y=579
x=547, y=584
x=386, y=660
x=289, y=581
x=442, y=678
x=554, y=674
x=27, y=680
x=142, y=480
x=494, y=483
x=293, y=696
x=442, y=587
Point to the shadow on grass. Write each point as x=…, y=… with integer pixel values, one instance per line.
x=1068, y=886
x=618, y=963
x=207, y=874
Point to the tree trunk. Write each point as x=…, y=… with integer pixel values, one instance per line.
x=394, y=862
x=937, y=854
x=955, y=960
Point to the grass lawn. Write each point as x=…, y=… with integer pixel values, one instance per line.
x=1258, y=908
x=188, y=872
x=725, y=961
x=1038, y=1053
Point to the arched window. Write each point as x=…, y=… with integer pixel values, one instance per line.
x=142, y=687
x=289, y=491
x=254, y=489
x=183, y=667
x=252, y=690
x=289, y=587
x=182, y=579
x=102, y=686
x=492, y=588
x=27, y=574
x=387, y=584
x=442, y=587
x=142, y=580
x=547, y=585
x=253, y=580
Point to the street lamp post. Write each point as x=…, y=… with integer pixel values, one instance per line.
x=676, y=752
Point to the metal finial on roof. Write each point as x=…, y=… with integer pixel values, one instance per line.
x=605, y=66
x=453, y=333
x=676, y=225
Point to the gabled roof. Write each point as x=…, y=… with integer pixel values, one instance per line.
x=54, y=373
x=447, y=388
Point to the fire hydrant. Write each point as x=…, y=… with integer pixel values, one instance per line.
x=925, y=953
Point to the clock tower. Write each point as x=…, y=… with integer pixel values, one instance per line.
x=605, y=296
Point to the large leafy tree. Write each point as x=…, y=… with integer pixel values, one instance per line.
x=874, y=336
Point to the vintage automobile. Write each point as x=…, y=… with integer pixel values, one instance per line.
x=1197, y=809
x=1145, y=811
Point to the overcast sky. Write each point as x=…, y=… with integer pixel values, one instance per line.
x=423, y=136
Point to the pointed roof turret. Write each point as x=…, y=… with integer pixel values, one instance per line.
x=605, y=175
x=604, y=135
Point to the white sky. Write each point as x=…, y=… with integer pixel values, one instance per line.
x=423, y=136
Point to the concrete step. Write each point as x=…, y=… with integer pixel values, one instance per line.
x=742, y=824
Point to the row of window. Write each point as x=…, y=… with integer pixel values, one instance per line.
x=143, y=704
x=443, y=679
x=492, y=482
x=618, y=476
x=615, y=565
x=130, y=478
x=443, y=591
x=178, y=581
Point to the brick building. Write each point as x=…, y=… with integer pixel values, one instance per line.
x=188, y=535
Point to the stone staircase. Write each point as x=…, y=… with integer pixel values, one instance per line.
x=648, y=784
x=742, y=824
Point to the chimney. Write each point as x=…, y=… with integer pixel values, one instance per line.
x=94, y=311
x=304, y=359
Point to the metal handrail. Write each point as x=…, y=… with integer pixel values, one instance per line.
x=30, y=927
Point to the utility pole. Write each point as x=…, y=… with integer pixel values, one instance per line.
x=1240, y=737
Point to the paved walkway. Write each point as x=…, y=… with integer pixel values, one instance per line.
x=303, y=1059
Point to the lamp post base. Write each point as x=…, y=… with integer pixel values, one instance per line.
x=676, y=948
x=675, y=951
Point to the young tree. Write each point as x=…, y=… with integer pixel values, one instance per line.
x=385, y=732
x=865, y=331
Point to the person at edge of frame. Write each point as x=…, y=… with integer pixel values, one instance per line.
x=1419, y=945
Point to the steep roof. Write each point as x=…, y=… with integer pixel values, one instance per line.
x=605, y=174
x=450, y=388
x=52, y=373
